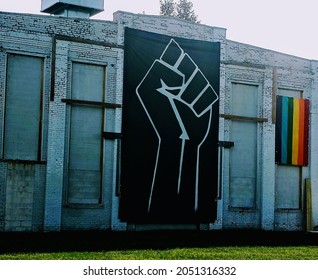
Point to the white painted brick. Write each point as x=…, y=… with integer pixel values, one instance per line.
x=32, y=35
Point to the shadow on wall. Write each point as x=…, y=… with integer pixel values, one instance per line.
x=109, y=240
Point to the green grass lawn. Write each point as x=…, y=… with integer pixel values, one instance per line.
x=211, y=253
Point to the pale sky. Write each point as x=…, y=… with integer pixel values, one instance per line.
x=287, y=26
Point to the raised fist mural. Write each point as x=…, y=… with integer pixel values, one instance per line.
x=170, y=130
x=175, y=85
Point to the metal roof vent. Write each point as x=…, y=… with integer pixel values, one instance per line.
x=72, y=8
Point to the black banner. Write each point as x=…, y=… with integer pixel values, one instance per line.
x=169, y=171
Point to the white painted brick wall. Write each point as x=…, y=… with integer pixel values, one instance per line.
x=32, y=34
x=19, y=198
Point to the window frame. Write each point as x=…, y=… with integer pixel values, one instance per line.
x=70, y=102
x=297, y=93
x=40, y=143
x=258, y=120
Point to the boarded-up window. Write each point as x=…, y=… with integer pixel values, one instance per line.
x=85, y=137
x=22, y=133
x=288, y=178
x=243, y=157
x=288, y=187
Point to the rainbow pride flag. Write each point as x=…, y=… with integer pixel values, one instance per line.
x=292, y=125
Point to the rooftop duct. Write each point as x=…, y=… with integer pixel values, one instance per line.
x=72, y=8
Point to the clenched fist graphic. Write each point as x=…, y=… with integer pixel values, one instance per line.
x=178, y=100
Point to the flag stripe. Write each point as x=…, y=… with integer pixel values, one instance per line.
x=306, y=132
x=278, y=135
x=295, y=140
x=290, y=130
x=301, y=131
x=284, y=136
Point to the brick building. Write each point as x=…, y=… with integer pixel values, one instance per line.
x=49, y=63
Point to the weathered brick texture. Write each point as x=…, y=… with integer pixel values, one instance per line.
x=32, y=196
